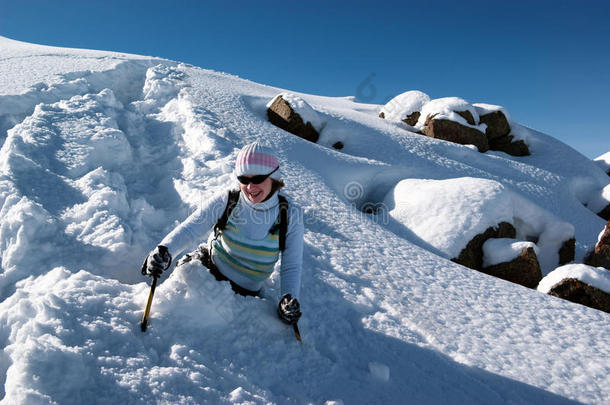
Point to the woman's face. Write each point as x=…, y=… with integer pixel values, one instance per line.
x=257, y=192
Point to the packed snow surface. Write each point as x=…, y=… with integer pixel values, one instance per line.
x=597, y=277
x=104, y=153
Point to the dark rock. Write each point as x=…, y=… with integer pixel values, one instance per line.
x=412, y=118
x=338, y=145
x=454, y=132
x=524, y=269
x=605, y=213
x=576, y=291
x=282, y=115
x=566, y=251
x=467, y=115
x=497, y=125
x=600, y=257
x=472, y=255
x=505, y=144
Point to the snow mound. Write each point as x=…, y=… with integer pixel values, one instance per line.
x=597, y=277
x=503, y=250
x=448, y=213
x=403, y=105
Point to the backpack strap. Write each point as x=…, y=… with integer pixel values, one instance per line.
x=283, y=217
x=283, y=221
x=231, y=203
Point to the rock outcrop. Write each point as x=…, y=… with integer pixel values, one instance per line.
x=507, y=145
x=566, y=251
x=282, y=115
x=410, y=119
x=440, y=119
x=452, y=131
x=524, y=269
x=600, y=256
x=497, y=125
x=498, y=134
x=472, y=255
x=576, y=291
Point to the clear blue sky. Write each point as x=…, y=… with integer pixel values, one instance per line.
x=547, y=62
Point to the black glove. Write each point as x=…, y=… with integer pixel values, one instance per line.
x=157, y=261
x=289, y=309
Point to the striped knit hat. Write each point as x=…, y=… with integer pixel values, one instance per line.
x=255, y=159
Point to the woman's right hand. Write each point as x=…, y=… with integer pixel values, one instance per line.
x=157, y=262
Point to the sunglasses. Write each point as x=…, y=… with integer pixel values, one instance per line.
x=258, y=179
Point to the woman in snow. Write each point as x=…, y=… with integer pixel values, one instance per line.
x=253, y=227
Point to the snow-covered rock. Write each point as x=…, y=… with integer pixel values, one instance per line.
x=457, y=216
x=453, y=119
x=498, y=250
x=600, y=256
x=405, y=107
x=448, y=214
x=495, y=118
x=293, y=114
x=453, y=109
x=579, y=283
x=512, y=260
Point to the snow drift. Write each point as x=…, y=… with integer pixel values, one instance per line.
x=103, y=153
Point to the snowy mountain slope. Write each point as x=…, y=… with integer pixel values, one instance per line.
x=96, y=167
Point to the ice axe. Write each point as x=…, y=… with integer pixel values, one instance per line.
x=297, y=334
x=144, y=323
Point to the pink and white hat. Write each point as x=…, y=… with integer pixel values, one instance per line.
x=255, y=159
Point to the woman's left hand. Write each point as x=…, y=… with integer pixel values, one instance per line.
x=289, y=309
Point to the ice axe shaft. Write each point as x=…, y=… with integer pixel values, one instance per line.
x=296, y=332
x=144, y=323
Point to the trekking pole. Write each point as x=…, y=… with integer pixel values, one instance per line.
x=144, y=323
x=296, y=332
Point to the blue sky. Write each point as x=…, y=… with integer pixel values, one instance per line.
x=547, y=62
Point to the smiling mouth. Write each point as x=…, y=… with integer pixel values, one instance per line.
x=255, y=194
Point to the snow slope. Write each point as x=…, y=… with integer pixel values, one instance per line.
x=103, y=153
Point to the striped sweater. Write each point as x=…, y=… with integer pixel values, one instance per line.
x=245, y=251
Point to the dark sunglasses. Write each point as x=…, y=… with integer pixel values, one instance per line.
x=258, y=179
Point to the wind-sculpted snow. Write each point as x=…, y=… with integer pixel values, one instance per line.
x=97, y=166
x=80, y=171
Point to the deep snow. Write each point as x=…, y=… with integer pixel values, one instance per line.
x=103, y=153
